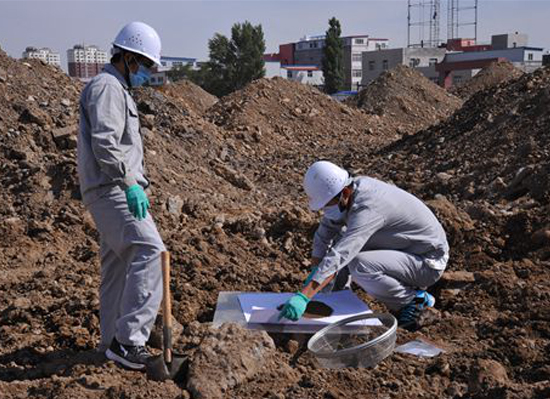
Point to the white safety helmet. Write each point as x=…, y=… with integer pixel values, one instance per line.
x=140, y=38
x=323, y=181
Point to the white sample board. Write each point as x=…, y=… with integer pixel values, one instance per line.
x=261, y=308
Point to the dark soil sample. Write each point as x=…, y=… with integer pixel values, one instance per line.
x=314, y=310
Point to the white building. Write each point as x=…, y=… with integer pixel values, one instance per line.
x=159, y=77
x=306, y=74
x=86, y=61
x=310, y=51
x=45, y=54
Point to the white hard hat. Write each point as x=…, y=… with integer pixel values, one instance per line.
x=140, y=38
x=323, y=181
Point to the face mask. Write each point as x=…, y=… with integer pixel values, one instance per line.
x=334, y=213
x=141, y=77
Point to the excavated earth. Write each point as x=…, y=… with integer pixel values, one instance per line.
x=404, y=100
x=227, y=199
x=493, y=75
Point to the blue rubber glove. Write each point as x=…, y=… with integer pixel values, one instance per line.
x=310, y=276
x=137, y=201
x=295, y=307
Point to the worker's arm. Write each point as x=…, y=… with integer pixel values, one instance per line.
x=106, y=108
x=324, y=236
x=361, y=226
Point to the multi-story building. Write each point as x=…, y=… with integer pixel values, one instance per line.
x=310, y=51
x=508, y=47
x=159, y=77
x=306, y=74
x=86, y=61
x=45, y=54
x=423, y=59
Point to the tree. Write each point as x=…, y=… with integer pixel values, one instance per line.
x=180, y=72
x=333, y=58
x=234, y=63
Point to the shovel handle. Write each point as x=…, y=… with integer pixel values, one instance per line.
x=166, y=307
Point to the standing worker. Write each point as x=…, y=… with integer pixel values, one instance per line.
x=112, y=182
x=391, y=243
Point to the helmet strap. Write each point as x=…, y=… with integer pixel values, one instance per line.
x=126, y=70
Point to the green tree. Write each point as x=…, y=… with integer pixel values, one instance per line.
x=333, y=58
x=180, y=72
x=234, y=63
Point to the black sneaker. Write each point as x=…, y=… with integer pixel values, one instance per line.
x=132, y=357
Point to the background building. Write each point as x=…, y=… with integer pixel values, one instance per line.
x=85, y=62
x=309, y=52
x=307, y=74
x=159, y=77
x=45, y=54
x=423, y=59
x=513, y=47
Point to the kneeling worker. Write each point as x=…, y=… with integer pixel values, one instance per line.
x=392, y=244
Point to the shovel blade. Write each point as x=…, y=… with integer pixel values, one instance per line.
x=159, y=370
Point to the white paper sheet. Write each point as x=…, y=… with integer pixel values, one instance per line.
x=262, y=308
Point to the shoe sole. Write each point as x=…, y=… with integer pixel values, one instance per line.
x=125, y=362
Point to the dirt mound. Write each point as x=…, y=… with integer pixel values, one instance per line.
x=490, y=76
x=189, y=96
x=228, y=203
x=406, y=99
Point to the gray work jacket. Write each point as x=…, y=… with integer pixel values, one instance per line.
x=381, y=216
x=110, y=147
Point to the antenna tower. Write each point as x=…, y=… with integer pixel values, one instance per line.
x=461, y=14
x=423, y=23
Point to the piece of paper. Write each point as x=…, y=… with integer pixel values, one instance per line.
x=419, y=348
x=262, y=308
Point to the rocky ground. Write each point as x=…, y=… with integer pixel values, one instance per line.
x=227, y=199
x=490, y=76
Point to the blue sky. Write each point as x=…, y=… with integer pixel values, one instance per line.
x=186, y=26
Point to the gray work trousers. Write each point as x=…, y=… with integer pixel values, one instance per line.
x=131, y=277
x=392, y=277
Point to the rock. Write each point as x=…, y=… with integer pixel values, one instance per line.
x=227, y=357
x=486, y=374
x=457, y=279
x=66, y=102
x=3, y=76
x=65, y=137
x=444, y=177
x=455, y=221
x=22, y=303
x=156, y=338
x=174, y=205
x=232, y=176
x=541, y=237
x=37, y=116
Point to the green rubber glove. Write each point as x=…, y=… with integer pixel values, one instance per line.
x=310, y=276
x=137, y=201
x=295, y=307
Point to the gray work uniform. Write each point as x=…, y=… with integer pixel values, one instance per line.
x=390, y=241
x=110, y=159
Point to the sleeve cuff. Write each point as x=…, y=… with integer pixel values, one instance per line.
x=128, y=182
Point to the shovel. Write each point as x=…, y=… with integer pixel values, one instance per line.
x=168, y=366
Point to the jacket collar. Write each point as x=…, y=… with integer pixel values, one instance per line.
x=110, y=68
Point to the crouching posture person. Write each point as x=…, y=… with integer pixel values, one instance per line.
x=113, y=183
x=391, y=243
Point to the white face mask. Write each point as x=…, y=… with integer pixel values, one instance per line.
x=334, y=213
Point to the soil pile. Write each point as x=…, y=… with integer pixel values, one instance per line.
x=189, y=96
x=275, y=125
x=490, y=76
x=406, y=100
x=227, y=200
